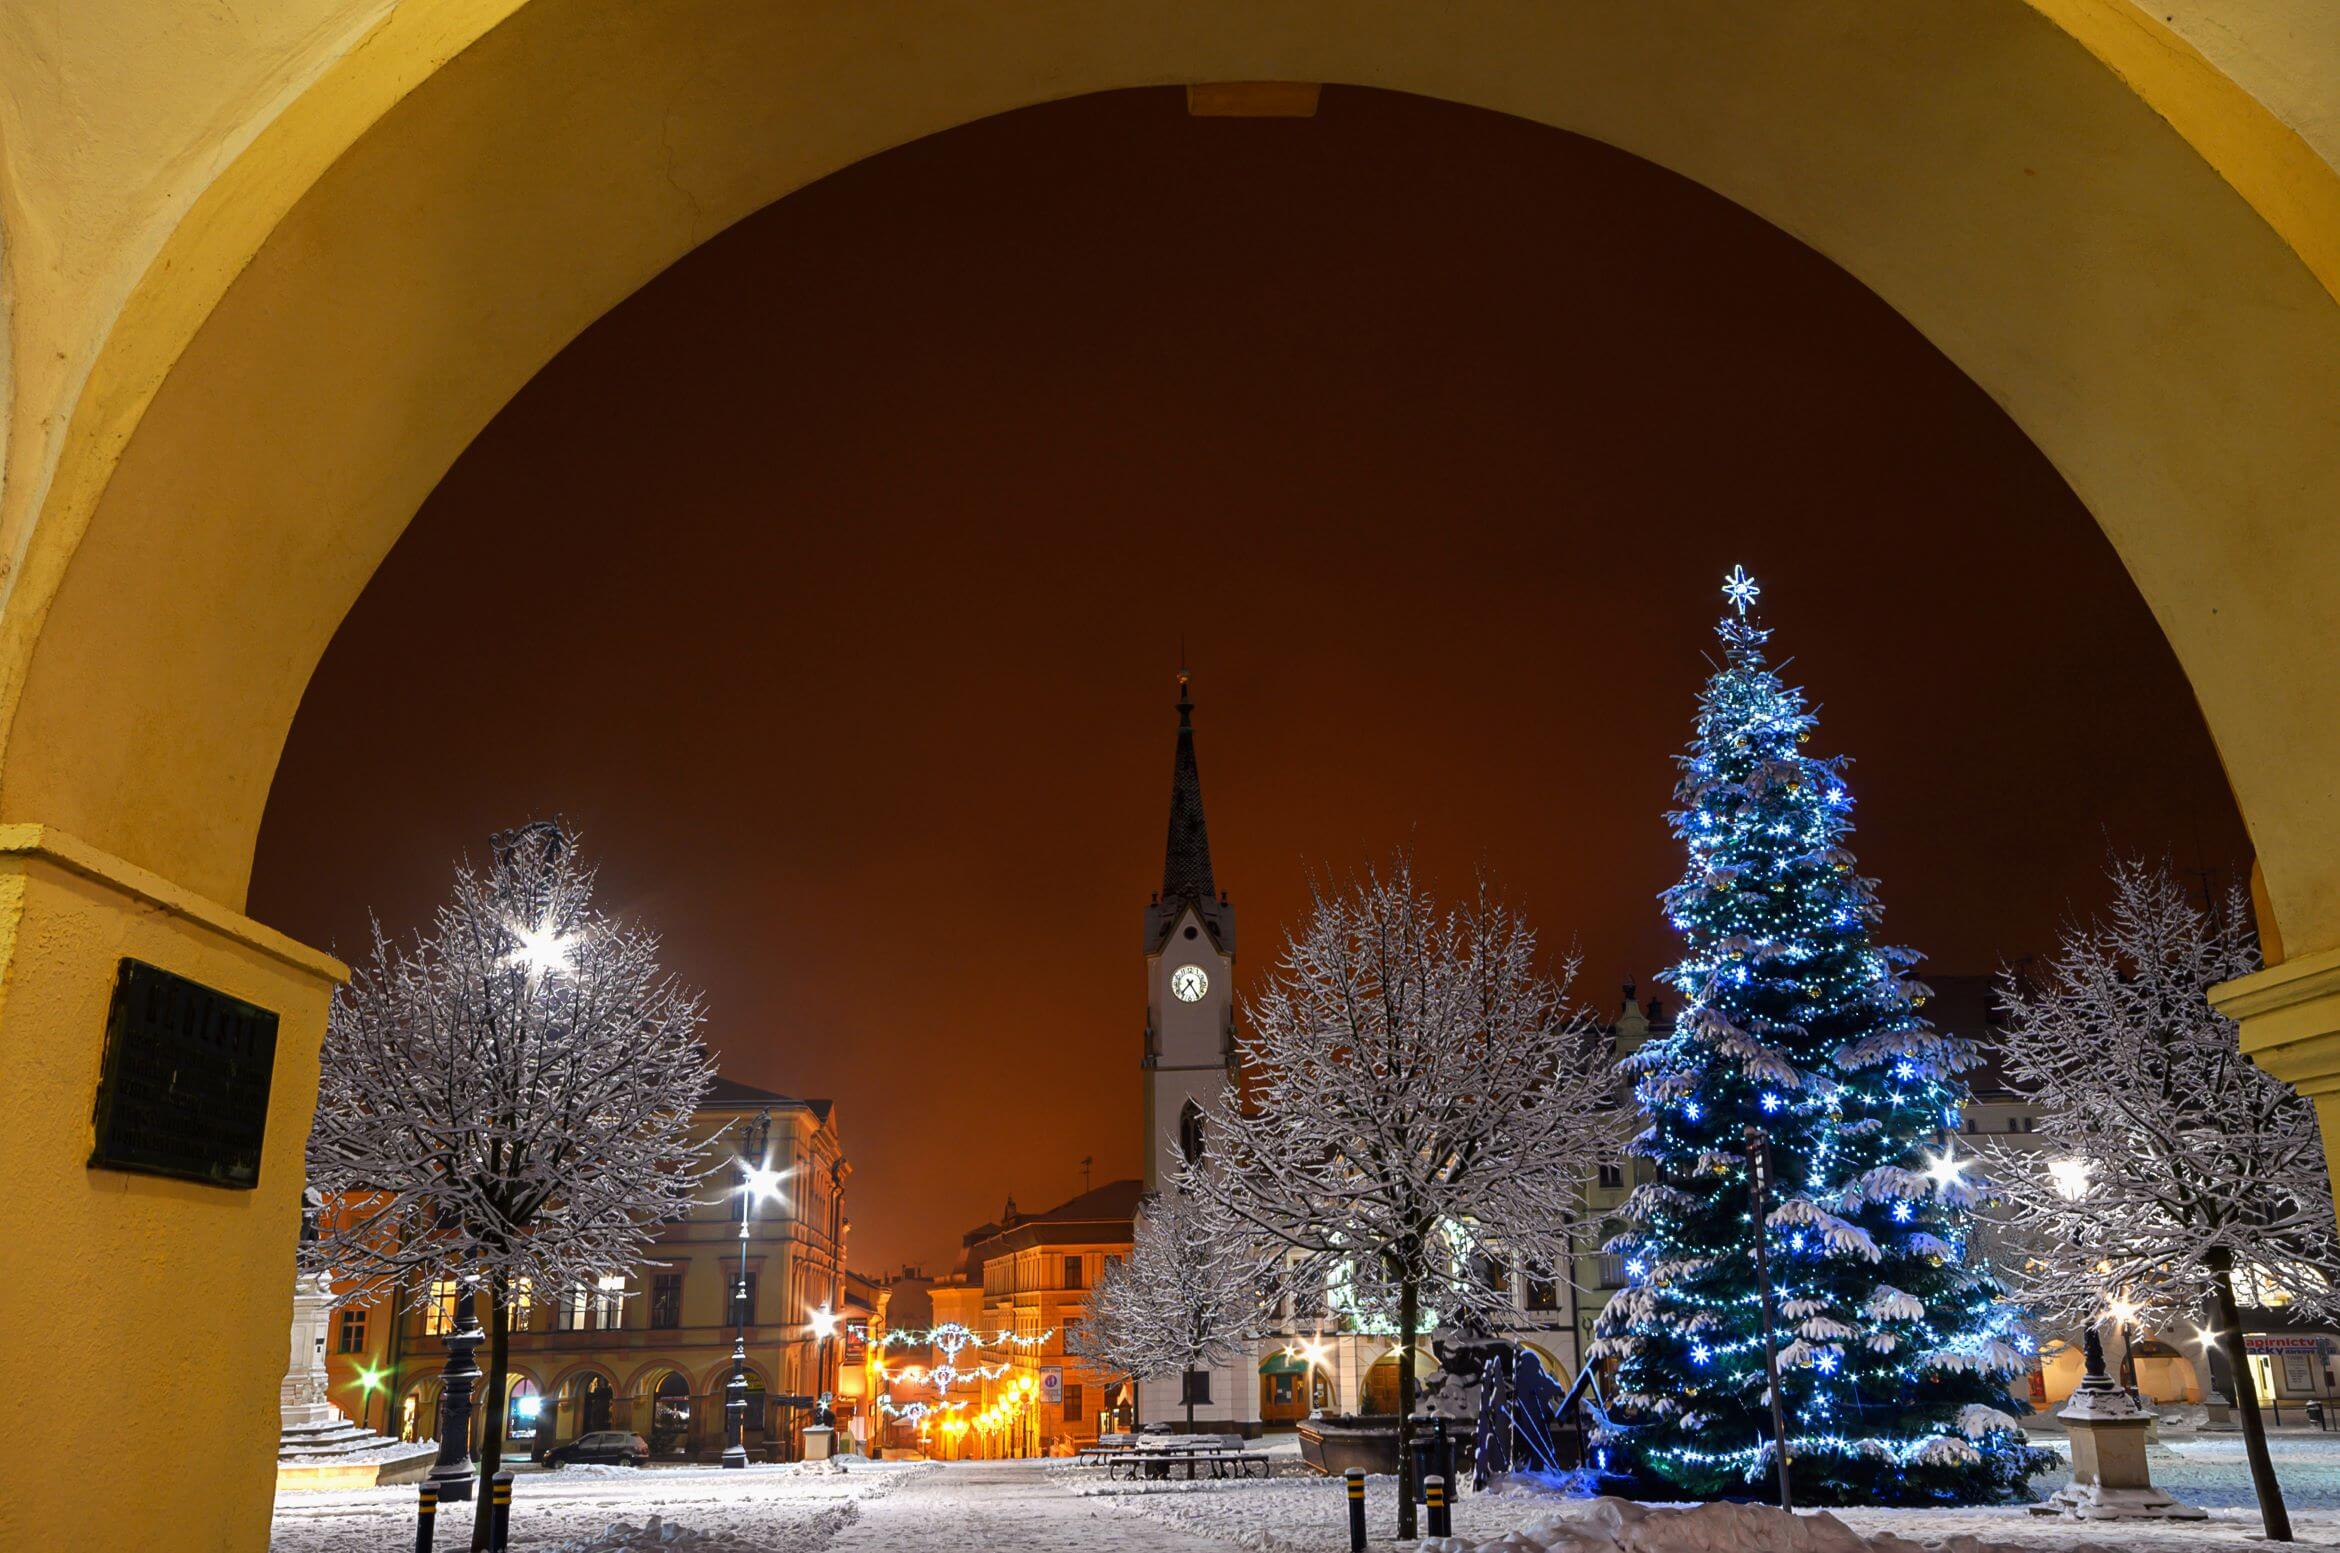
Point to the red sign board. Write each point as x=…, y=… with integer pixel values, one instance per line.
x=856, y=1342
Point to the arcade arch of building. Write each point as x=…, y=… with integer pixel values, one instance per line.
x=271, y=268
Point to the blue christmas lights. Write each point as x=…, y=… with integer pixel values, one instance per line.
x=1778, y=978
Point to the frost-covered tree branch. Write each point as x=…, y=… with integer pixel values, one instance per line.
x=1418, y=1097
x=1187, y=1297
x=507, y=1098
x=2179, y=1178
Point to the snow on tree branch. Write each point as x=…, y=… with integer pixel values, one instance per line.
x=2170, y=1156
x=509, y=1096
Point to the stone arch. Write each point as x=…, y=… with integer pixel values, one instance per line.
x=2132, y=252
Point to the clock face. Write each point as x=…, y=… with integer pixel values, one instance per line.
x=1189, y=983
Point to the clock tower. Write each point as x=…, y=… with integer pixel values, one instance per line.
x=1190, y=966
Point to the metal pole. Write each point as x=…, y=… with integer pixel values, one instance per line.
x=500, y=1533
x=426, y=1513
x=453, y=1474
x=1355, y=1478
x=1757, y=1148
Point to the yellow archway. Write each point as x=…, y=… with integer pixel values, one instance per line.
x=252, y=328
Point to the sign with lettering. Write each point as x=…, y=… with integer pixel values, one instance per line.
x=183, y=1089
x=1052, y=1393
x=2277, y=1342
x=856, y=1343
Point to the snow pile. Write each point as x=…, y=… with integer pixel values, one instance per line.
x=1622, y=1526
x=626, y=1537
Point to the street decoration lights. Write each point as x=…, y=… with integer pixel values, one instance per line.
x=757, y=1181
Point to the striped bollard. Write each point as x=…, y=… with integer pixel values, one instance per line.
x=1434, y=1491
x=1356, y=1481
x=426, y=1512
x=500, y=1532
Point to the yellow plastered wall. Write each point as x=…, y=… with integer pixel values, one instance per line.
x=142, y=1320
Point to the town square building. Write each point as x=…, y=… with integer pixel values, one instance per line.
x=649, y=1351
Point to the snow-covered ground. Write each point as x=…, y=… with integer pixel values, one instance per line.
x=976, y=1507
x=1307, y=1514
x=761, y=1509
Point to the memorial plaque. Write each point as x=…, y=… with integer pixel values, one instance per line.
x=184, y=1088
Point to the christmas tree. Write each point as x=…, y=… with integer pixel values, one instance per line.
x=1800, y=1090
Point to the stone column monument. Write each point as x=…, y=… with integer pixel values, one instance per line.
x=2109, y=1477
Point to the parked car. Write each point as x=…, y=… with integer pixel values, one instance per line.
x=611, y=1446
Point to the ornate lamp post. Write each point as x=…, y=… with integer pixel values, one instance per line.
x=453, y=1474
x=756, y=1179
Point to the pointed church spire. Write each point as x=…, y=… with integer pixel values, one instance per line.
x=1186, y=858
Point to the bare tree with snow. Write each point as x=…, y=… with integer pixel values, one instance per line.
x=1187, y=1298
x=1418, y=1097
x=507, y=1100
x=2178, y=1177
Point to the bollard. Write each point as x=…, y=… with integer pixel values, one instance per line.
x=1356, y=1481
x=426, y=1511
x=500, y=1530
x=1434, y=1490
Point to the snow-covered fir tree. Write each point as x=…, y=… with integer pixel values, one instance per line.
x=1186, y=1298
x=506, y=1100
x=1794, y=1114
x=2178, y=1179
x=1418, y=1097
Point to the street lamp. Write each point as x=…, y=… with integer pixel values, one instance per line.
x=2070, y=1177
x=756, y=1180
x=453, y=1473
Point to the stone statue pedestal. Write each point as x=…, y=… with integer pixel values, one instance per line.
x=820, y=1442
x=303, y=1401
x=2109, y=1477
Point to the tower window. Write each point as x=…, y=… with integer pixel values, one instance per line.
x=1190, y=1132
x=1190, y=930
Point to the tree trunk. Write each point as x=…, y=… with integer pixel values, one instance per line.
x=491, y=1421
x=1409, y=1320
x=2246, y=1401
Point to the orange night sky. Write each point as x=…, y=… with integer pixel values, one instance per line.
x=833, y=585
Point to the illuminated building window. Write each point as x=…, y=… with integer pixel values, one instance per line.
x=439, y=1310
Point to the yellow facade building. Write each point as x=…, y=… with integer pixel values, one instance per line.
x=650, y=1351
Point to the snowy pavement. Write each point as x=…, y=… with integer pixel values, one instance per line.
x=761, y=1509
x=976, y=1507
x=1306, y=1514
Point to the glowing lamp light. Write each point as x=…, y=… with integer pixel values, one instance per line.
x=542, y=951
x=369, y=1380
x=762, y=1182
x=2205, y=1336
x=2121, y=1312
x=823, y=1321
x=528, y=1407
x=2070, y=1177
x=1945, y=1169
